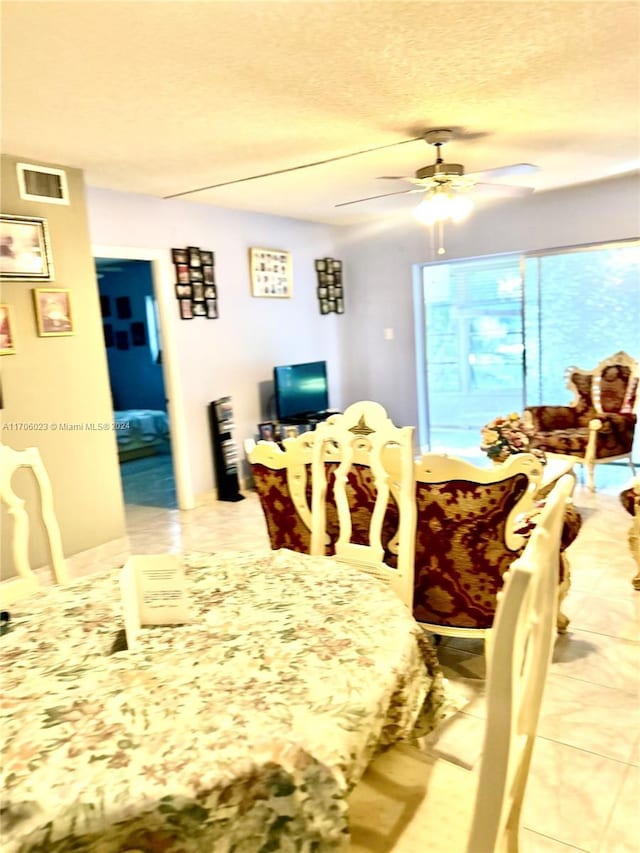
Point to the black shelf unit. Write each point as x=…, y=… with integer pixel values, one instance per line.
x=225, y=451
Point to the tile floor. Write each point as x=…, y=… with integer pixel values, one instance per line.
x=584, y=787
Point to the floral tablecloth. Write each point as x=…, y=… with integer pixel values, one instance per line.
x=243, y=731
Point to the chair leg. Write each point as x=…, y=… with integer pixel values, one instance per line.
x=562, y=620
x=634, y=545
x=591, y=485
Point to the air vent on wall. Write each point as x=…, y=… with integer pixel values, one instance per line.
x=40, y=183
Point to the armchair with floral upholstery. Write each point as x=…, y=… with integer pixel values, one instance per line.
x=630, y=500
x=599, y=424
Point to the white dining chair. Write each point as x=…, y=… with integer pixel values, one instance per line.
x=365, y=436
x=409, y=800
x=25, y=581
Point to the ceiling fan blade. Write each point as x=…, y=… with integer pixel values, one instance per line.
x=502, y=190
x=372, y=197
x=504, y=171
x=293, y=168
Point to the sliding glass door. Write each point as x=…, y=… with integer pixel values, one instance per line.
x=497, y=333
x=473, y=349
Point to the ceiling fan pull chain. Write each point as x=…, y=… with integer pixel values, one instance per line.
x=440, y=227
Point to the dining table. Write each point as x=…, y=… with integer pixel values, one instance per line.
x=240, y=731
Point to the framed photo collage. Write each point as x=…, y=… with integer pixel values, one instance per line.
x=196, y=289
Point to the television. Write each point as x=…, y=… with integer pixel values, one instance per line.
x=300, y=389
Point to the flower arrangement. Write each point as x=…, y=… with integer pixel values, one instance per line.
x=504, y=436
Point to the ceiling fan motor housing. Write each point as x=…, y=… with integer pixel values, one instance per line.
x=441, y=171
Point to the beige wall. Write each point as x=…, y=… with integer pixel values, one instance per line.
x=54, y=381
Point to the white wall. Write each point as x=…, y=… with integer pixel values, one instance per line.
x=379, y=261
x=235, y=354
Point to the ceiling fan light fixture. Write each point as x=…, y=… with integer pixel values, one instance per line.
x=442, y=204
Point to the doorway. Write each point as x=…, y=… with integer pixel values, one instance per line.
x=134, y=355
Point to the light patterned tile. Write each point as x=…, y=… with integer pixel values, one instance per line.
x=599, y=659
x=614, y=617
x=589, y=716
x=623, y=832
x=571, y=793
x=533, y=842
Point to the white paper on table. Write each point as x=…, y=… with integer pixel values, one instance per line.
x=154, y=592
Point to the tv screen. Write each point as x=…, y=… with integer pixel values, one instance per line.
x=301, y=389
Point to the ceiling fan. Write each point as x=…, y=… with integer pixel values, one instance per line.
x=450, y=177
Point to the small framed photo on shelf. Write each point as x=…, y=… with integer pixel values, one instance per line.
x=195, y=275
x=180, y=256
x=324, y=306
x=194, y=256
x=270, y=273
x=198, y=292
x=199, y=309
x=291, y=431
x=207, y=258
x=186, y=309
x=210, y=291
x=25, y=251
x=340, y=306
x=321, y=265
x=207, y=272
x=53, y=311
x=212, y=309
x=7, y=339
x=267, y=431
x=183, y=291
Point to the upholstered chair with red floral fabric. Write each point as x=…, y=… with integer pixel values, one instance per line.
x=282, y=479
x=630, y=500
x=599, y=424
x=466, y=539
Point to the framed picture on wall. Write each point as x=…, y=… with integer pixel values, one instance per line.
x=186, y=309
x=270, y=273
x=7, y=339
x=53, y=311
x=25, y=251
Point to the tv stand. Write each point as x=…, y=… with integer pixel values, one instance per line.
x=309, y=418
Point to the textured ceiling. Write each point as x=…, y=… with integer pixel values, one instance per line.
x=164, y=97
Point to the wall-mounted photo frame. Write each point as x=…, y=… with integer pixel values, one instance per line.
x=182, y=271
x=7, y=336
x=186, y=309
x=138, y=334
x=330, y=290
x=270, y=273
x=180, y=256
x=212, y=309
x=122, y=340
x=123, y=308
x=25, y=250
x=267, y=431
x=108, y=335
x=53, y=311
x=195, y=281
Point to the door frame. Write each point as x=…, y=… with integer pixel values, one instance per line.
x=162, y=276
